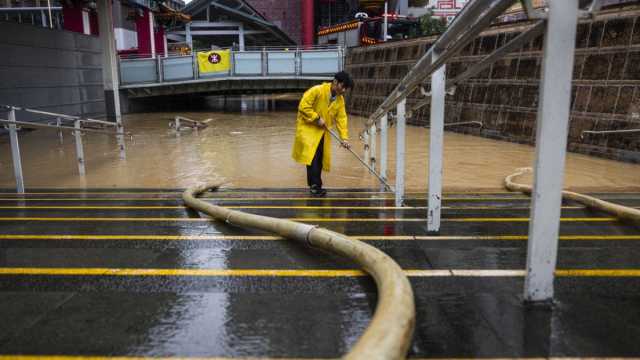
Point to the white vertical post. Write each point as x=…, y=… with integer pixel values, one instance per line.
x=383, y=146
x=79, y=149
x=152, y=35
x=15, y=152
x=86, y=23
x=372, y=147
x=50, y=17
x=551, y=143
x=436, y=139
x=241, y=37
x=366, y=147
x=166, y=48
x=188, y=37
x=60, y=137
x=400, y=139
x=386, y=22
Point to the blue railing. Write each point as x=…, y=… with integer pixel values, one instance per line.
x=253, y=63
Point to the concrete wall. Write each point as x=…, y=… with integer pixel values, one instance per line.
x=51, y=70
x=606, y=84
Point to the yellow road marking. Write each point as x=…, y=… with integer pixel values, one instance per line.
x=305, y=273
x=278, y=238
x=71, y=207
x=328, y=207
x=174, y=219
x=266, y=199
x=231, y=191
x=80, y=357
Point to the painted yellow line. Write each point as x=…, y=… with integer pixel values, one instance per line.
x=139, y=237
x=79, y=357
x=267, y=199
x=305, y=273
x=524, y=219
x=72, y=357
x=315, y=219
x=327, y=207
x=278, y=238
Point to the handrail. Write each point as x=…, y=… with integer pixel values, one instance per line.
x=604, y=132
x=63, y=116
x=77, y=130
x=62, y=127
x=478, y=13
x=526, y=36
x=195, y=124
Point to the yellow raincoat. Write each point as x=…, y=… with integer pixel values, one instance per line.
x=317, y=102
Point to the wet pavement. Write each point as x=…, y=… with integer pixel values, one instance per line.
x=134, y=273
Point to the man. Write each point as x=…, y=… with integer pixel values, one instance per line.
x=321, y=107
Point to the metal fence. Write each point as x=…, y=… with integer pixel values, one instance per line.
x=267, y=62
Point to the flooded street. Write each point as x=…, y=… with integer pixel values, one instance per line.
x=254, y=150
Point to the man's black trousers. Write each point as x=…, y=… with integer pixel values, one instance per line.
x=314, y=171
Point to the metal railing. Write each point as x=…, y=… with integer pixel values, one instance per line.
x=259, y=62
x=608, y=132
x=75, y=124
x=558, y=23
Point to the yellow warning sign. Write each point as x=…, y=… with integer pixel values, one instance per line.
x=214, y=61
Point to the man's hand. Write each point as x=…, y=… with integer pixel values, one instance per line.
x=345, y=144
x=320, y=122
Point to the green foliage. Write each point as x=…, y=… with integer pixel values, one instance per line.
x=432, y=26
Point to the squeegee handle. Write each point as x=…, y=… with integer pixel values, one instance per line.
x=371, y=170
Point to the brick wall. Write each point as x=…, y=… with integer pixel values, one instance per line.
x=606, y=84
x=284, y=13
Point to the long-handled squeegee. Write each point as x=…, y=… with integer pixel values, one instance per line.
x=371, y=170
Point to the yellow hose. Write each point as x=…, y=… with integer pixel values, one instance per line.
x=619, y=211
x=391, y=329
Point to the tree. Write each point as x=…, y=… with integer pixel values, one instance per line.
x=431, y=25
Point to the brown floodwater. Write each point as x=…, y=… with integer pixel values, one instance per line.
x=254, y=150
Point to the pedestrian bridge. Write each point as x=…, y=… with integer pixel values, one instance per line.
x=248, y=72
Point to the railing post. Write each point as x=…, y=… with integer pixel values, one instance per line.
x=177, y=124
x=194, y=59
x=160, y=69
x=366, y=147
x=551, y=143
x=400, y=139
x=232, y=59
x=383, y=146
x=15, y=152
x=372, y=146
x=79, y=150
x=263, y=62
x=298, y=62
x=436, y=139
x=60, y=136
x=120, y=140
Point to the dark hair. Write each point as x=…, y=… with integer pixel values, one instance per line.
x=344, y=78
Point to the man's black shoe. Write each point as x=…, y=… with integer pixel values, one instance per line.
x=317, y=191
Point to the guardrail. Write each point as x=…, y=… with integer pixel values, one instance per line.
x=75, y=124
x=558, y=22
x=266, y=62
